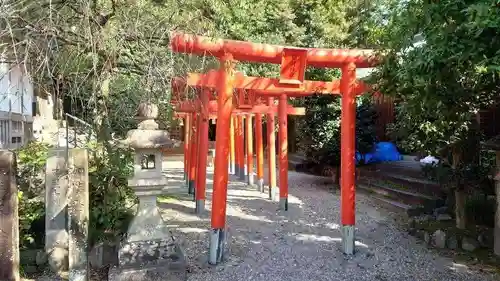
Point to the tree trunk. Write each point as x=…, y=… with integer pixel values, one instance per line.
x=496, y=247
x=460, y=199
x=460, y=195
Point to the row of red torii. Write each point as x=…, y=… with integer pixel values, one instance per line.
x=240, y=97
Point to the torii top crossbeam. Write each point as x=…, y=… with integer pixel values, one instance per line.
x=265, y=53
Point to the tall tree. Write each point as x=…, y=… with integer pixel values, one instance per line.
x=442, y=83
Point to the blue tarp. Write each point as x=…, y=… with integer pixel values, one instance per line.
x=382, y=152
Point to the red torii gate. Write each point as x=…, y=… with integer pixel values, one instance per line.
x=293, y=63
x=196, y=168
x=263, y=87
x=271, y=87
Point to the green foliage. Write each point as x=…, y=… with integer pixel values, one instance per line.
x=31, y=161
x=112, y=201
x=477, y=175
x=481, y=209
x=320, y=131
x=442, y=83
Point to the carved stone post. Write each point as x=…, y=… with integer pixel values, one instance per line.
x=9, y=218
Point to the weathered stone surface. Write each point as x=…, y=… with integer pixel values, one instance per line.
x=58, y=259
x=56, y=189
x=9, y=218
x=41, y=258
x=412, y=223
x=439, y=211
x=147, y=110
x=452, y=242
x=147, y=224
x=427, y=238
x=443, y=217
x=143, y=252
x=439, y=239
x=78, y=214
x=415, y=211
x=149, y=252
x=485, y=238
x=469, y=244
x=149, y=139
x=67, y=211
x=103, y=254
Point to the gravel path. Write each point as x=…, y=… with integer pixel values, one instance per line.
x=304, y=243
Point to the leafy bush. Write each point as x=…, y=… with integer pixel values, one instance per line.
x=321, y=129
x=480, y=207
x=475, y=176
x=111, y=199
x=31, y=161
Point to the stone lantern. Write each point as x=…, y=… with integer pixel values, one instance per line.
x=149, y=248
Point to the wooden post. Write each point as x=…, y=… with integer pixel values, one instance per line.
x=347, y=163
x=225, y=107
x=271, y=152
x=241, y=147
x=9, y=218
x=194, y=154
x=203, y=154
x=249, y=146
x=237, y=144
x=260, y=152
x=187, y=146
x=232, y=147
x=283, y=152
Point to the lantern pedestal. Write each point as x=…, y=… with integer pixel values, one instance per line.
x=149, y=252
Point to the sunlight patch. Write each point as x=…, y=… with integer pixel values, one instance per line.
x=191, y=230
x=458, y=267
x=321, y=238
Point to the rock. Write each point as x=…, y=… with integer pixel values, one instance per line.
x=420, y=234
x=469, y=244
x=486, y=239
x=439, y=239
x=412, y=231
x=28, y=257
x=427, y=238
x=443, y=217
x=423, y=219
x=452, y=243
x=412, y=223
x=41, y=258
x=57, y=260
x=103, y=254
x=440, y=211
x=415, y=211
x=30, y=269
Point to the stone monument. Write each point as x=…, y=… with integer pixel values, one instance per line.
x=9, y=218
x=149, y=251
